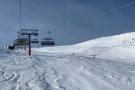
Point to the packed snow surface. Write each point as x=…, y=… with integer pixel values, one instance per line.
x=106, y=63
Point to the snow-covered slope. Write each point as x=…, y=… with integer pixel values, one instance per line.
x=119, y=47
x=99, y=64
x=122, y=40
x=64, y=72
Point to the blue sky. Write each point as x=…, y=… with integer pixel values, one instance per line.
x=70, y=21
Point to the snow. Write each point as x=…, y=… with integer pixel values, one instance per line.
x=106, y=63
x=119, y=47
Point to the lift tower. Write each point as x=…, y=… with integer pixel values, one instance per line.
x=23, y=33
x=29, y=33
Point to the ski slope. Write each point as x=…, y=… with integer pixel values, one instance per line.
x=72, y=67
x=119, y=47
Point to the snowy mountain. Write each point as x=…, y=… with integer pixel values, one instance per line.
x=106, y=63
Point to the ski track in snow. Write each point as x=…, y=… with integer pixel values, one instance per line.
x=64, y=72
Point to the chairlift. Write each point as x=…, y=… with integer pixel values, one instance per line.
x=47, y=42
x=34, y=41
x=21, y=41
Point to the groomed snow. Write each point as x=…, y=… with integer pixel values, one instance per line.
x=106, y=63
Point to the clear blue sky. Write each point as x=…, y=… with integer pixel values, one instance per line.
x=71, y=21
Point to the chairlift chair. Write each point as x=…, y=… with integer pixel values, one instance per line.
x=21, y=41
x=47, y=42
x=34, y=41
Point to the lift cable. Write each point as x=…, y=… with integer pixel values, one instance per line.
x=20, y=14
